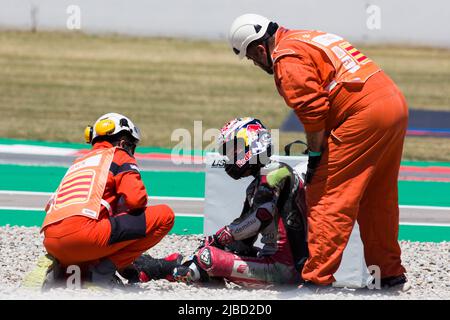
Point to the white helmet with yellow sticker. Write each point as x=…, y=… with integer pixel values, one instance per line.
x=111, y=124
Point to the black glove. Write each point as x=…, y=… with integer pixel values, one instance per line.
x=313, y=163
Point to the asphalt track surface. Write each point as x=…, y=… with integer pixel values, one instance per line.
x=195, y=206
x=66, y=161
x=36, y=200
x=190, y=206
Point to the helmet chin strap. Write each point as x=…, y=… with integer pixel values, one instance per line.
x=269, y=69
x=271, y=29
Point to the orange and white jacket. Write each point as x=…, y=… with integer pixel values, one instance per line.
x=102, y=183
x=309, y=65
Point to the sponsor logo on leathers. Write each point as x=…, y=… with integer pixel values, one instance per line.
x=245, y=226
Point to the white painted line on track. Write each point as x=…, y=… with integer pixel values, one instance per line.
x=424, y=207
x=181, y=214
x=177, y=198
x=33, y=193
x=425, y=224
x=193, y=215
x=22, y=208
x=25, y=193
x=36, y=150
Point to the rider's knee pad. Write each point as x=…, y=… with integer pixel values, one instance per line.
x=217, y=262
x=205, y=258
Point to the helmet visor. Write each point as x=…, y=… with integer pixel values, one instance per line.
x=235, y=151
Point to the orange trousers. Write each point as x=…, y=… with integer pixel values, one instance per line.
x=357, y=180
x=82, y=241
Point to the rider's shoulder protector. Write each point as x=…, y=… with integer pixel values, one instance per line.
x=274, y=173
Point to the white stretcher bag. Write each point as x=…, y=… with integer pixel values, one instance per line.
x=224, y=199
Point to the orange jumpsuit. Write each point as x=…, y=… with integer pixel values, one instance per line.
x=121, y=237
x=365, y=122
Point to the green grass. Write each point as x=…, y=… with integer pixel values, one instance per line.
x=423, y=74
x=54, y=84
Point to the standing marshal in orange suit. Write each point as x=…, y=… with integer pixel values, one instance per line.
x=355, y=119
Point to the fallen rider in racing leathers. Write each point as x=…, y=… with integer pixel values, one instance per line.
x=274, y=208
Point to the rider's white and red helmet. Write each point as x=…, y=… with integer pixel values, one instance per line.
x=246, y=143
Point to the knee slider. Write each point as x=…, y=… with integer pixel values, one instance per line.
x=205, y=258
x=216, y=262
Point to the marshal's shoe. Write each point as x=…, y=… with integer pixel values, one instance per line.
x=47, y=274
x=399, y=283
